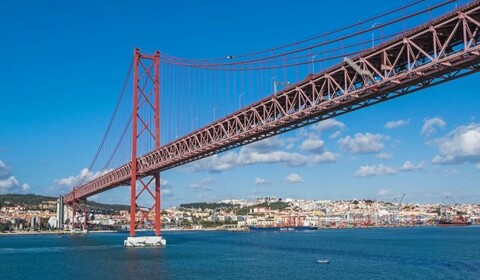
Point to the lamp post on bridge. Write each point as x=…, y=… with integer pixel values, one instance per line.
x=240, y=101
x=213, y=113
x=276, y=83
x=373, y=33
x=313, y=64
x=273, y=79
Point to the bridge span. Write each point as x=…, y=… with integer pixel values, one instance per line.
x=442, y=50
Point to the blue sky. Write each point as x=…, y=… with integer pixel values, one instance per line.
x=63, y=66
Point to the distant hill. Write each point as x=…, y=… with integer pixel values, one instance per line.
x=207, y=205
x=24, y=199
x=33, y=201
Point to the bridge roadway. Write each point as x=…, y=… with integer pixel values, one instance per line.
x=442, y=50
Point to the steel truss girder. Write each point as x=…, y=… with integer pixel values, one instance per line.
x=443, y=50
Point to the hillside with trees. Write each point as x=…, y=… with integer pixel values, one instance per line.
x=37, y=202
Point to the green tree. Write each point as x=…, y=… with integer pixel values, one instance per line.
x=6, y=226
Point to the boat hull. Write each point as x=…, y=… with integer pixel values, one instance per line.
x=286, y=228
x=453, y=224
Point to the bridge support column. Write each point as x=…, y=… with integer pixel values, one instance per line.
x=145, y=129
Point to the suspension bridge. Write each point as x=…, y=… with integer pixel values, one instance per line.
x=201, y=107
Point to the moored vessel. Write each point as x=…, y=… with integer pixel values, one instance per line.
x=454, y=223
x=281, y=228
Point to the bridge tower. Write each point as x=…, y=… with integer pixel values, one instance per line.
x=145, y=131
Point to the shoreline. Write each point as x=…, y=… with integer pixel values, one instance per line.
x=209, y=229
x=203, y=229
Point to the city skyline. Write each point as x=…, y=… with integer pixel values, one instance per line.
x=59, y=87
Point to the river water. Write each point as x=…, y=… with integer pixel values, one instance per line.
x=377, y=253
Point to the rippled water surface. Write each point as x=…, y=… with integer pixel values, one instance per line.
x=387, y=253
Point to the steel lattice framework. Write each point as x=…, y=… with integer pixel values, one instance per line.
x=437, y=52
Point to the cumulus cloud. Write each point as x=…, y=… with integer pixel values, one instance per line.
x=265, y=152
x=165, y=188
x=374, y=170
x=313, y=144
x=71, y=180
x=165, y=184
x=363, y=143
x=4, y=169
x=430, y=125
x=268, y=144
x=395, y=124
x=261, y=181
x=409, y=166
x=65, y=185
x=384, y=156
x=461, y=145
x=378, y=170
x=294, y=178
x=9, y=183
x=327, y=124
x=335, y=135
x=384, y=192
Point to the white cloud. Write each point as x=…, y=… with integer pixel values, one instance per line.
x=374, y=170
x=409, y=166
x=4, y=170
x=261, y=181
x=336, y=134
x=459, y=146
x=8, y=182
x=65, y=185
x=378, y=170
x=165, y=183
x=71, y=180
x=313, y=144
x=327, y=124
x=395, y=124
x=165, y=188
x=294, y=178
x=269, y=153
x=5, y=184
x=268, y=144
x=363, y=143
x=429, y=126
x=478, y=166
x=11, y=184
x=384, y=192
x=383, y=156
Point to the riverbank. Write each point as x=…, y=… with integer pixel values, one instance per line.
x=213, y=229
x=50, y=232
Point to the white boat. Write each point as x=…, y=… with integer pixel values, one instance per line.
x=323, y=261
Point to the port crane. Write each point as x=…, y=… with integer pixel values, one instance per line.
x=396, y=207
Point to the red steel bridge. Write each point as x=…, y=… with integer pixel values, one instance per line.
x=362, y=72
